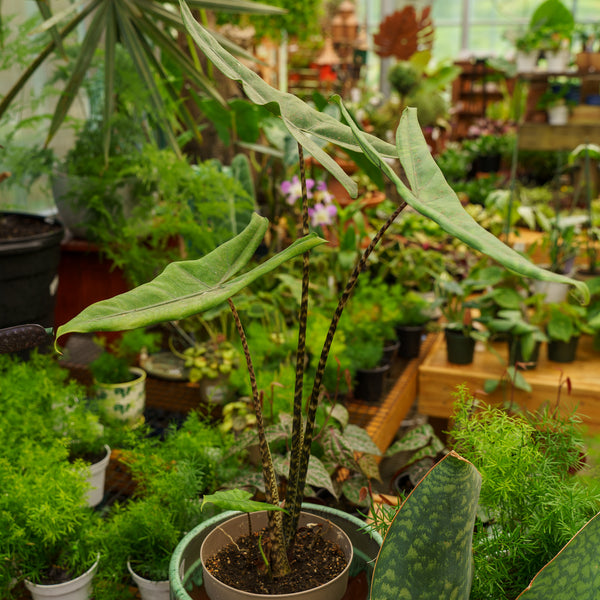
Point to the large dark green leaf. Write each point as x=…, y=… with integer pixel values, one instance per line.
x=431, y=195
x=301, y=120
x=573, y=572
x=187, y=287
x=426, y=552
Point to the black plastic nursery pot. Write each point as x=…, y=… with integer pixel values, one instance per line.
x=29, y=257
x=563, y=352
x=460, y=348
x=409, y=337
x=515, y=355
x=370, y=383
x=390, y=351
x=185, y=569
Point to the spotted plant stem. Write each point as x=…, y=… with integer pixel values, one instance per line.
x=278, y=559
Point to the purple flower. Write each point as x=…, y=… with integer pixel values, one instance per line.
x=292, y=190
x=322, y=214
x=322, y=194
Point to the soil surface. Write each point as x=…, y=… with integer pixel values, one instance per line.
x=313, y=560
x=15, y=226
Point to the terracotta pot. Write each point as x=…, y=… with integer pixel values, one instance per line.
x=238, y=526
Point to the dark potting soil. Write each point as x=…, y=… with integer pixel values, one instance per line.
x=16, y=226
x=313, y=561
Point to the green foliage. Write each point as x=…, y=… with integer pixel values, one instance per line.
x=113, y=364
x=139, y=28
x=404, y=77
x=564, y=320
x=57, y=410
x=171, y=475
x=46, y=524
x=531, y=504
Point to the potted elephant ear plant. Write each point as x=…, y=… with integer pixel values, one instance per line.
x=190, y=287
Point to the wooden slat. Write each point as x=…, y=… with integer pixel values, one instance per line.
x=438, y=380
x=541, y=136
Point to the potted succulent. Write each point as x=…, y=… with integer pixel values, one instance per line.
x=121, y=386
x=210, y=363
x=191, y=287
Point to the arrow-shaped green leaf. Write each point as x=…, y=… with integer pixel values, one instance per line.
x=300, y=119
x=188, y=287
x=426, y=552
x=431, y=195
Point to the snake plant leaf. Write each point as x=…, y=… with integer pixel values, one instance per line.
x=300, y=119
x=426, y=552
x=573, y=572
x=430, y=195
x=188, y=287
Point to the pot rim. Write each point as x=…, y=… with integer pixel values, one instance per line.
x=300, y=594
x=64, y=584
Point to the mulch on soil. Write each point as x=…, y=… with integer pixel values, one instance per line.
x=313, y=560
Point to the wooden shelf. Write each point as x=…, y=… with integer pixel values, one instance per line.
x=382, y=420
x=438, y=380
x=541, y=136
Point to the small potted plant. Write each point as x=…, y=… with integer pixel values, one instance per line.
x=457, y=299
x=415, y=312
x=562, y=242
x=170, y=475
x=564, y=322
x=50, y=545
x=527, y=45
x=121, y=386
x=556, y=101
x=210, y=363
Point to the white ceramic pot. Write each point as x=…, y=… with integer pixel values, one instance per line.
x=123, y=401
x=526, y=61
x=76, y=589
x=558, y=115
x=150, y=590
x=96, y=479
x=558, y=61
x=554, y=291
